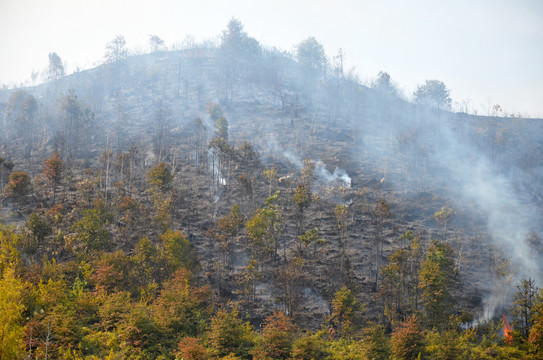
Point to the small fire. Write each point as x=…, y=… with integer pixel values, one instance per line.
x=507, y=335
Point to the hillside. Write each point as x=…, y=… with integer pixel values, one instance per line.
x=223, y=163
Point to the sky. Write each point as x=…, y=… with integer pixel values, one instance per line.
x=486, y=52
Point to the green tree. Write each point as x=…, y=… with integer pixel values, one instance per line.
x=523, y=306
x=311, y=238
x=346, y=312
x=450, y=344
x=437, y=278
x=400, y=286
x=160, y=178
x=9, y=242
x=248, y=279
x=176, y=251
x=11, y=313
x=92, y=230
x=161, y=187
x=433, y=93
x=229, y=334
x=376, y=343
x=264, y=228
x=271, y=176
x=182, y=309
x=39, y=229
x=221, y=128
x=237, y=50
x=443, y=217
x=310, y=347
x=225, y=231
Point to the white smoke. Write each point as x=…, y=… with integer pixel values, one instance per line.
x=339, y=175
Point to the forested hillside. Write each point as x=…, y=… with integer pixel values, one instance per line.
x=239, y=202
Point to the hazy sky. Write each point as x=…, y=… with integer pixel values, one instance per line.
x=490, y=52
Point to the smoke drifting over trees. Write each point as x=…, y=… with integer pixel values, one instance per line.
x=276, y=180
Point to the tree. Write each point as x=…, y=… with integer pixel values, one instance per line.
x=263, y=228
x=229, y=334
x=11, y=312
x=21, y=111
x=276, y=339
x=433, y=93
x=408, y=340
x=200, y=134
x=436, y=282
x=52, y=170
x=77, y=124
x=376, y=343
x=160, y=178
x=248, y=279
x=56, y=69
x=291, y=280
x=221, y=128
x=19, y=186
x=311, y=237
x=92, y=229
x=182, y=308
x=39, y=228
x=400, y=286
x=536, y=332
x=523, y=306
x=311, y=59
x=156, y=43
x=271, y=176
x=116, y=50
x=346, y=312
x=161, y=129
x=225, y=231
x=176, y=251
x=237, y=49
x=443, y=217
x=190, y=348
x=308, y=173
x=383, y=84
x=309, y=347
x=5, y=165
x=162, y=194
x=382, y=214
x=301, y=198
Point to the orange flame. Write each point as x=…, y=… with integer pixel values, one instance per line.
x=507, y=335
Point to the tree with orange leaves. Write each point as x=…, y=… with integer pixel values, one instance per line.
x=408, y=340
x=536, y=332
x=191, y=348
x=277, y=338
x=19, y=186
x=52, y=170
